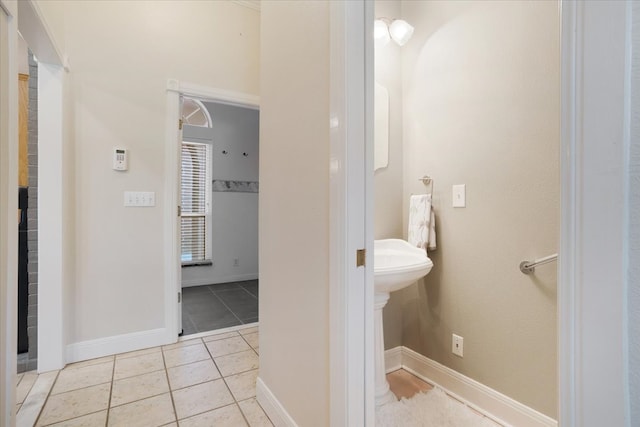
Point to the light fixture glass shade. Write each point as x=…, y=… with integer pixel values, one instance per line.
x=380, y=33
x=400, y=31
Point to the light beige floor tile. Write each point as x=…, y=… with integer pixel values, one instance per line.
x=18, y=406
x=184, y=355
x=73, y=379
x=243, y=386
x=489, y=422
x=252, y=339
x=227, y=346
x=193, y=373
x=136, y=353
x=201, y=398
x=139, y=387
x=248, y=330
x=138, y=365
x=18, y=378
x=152, y=412
x=28, y=379
x=237, y=362
x=90, y=362
x=254, y=413
x=171, y=425
x=32, y=405
x=226, y=416
x=73, y=404
x=97, y=419
x=185, y=343
x=215, y=337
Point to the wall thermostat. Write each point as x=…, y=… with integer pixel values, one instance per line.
x=120, y=159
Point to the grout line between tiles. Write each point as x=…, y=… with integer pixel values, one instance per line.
x=227, y=307
x=45, y=400
x=113, y=374
x=166, y=373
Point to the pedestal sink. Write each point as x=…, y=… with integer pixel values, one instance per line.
x=396, y=265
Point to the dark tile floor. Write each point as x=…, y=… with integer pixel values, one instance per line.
x=211, y=307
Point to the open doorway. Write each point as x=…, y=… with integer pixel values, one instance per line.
x=27, y=205
x=219, y=215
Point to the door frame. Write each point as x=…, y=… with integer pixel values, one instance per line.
x=351, y=293
x=173, y=273
x=592, y=314
x=9, y=208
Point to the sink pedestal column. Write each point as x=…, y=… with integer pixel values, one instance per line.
x=383, y=393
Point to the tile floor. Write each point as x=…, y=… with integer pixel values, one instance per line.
x=196, y=382
x=211, y=307
x=204, y=381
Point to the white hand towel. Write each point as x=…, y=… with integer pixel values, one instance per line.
x=432, y=231
x=419, y=220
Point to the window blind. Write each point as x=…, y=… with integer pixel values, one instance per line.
x=195, y=202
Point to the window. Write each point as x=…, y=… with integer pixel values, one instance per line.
x=196, y=203
x=195, y=113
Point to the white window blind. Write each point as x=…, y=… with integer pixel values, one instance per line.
x=196, y=202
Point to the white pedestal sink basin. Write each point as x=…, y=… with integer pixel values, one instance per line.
x=396, y=265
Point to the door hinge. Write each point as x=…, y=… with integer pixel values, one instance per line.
x=361, y=257
x=180, y=123
x=179, y=210
x=179, y=297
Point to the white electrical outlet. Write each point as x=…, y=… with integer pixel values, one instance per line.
x=457, y=345
x=236, y=262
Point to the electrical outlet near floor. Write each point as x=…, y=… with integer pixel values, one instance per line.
x=236, y=262
x=457, y=345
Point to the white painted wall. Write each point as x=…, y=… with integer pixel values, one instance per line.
x=294, y=207
x=117, y=97
x=234, y=215
x=482, y=108
x=633, y=302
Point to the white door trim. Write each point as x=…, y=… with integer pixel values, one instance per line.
x=8, y=208
x=32, y=27
x=176, y=89
x=593, y=380
x=54, y=240
x=351, y=201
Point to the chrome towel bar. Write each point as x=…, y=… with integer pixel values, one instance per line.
x=528, y=267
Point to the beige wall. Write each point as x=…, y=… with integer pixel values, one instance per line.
x=294, y=207
x=121, y=55
x=388, y=181
x=481, y=108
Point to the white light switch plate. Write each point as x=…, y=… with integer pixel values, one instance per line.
x=459, y=196
x=139, y=198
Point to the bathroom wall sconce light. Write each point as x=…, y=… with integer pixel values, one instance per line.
x=385, y=29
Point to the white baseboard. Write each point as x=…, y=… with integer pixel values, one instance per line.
x=216, y=280
x=393, y=359
x=478, y=396
x=86, y=350
x=272, y=406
